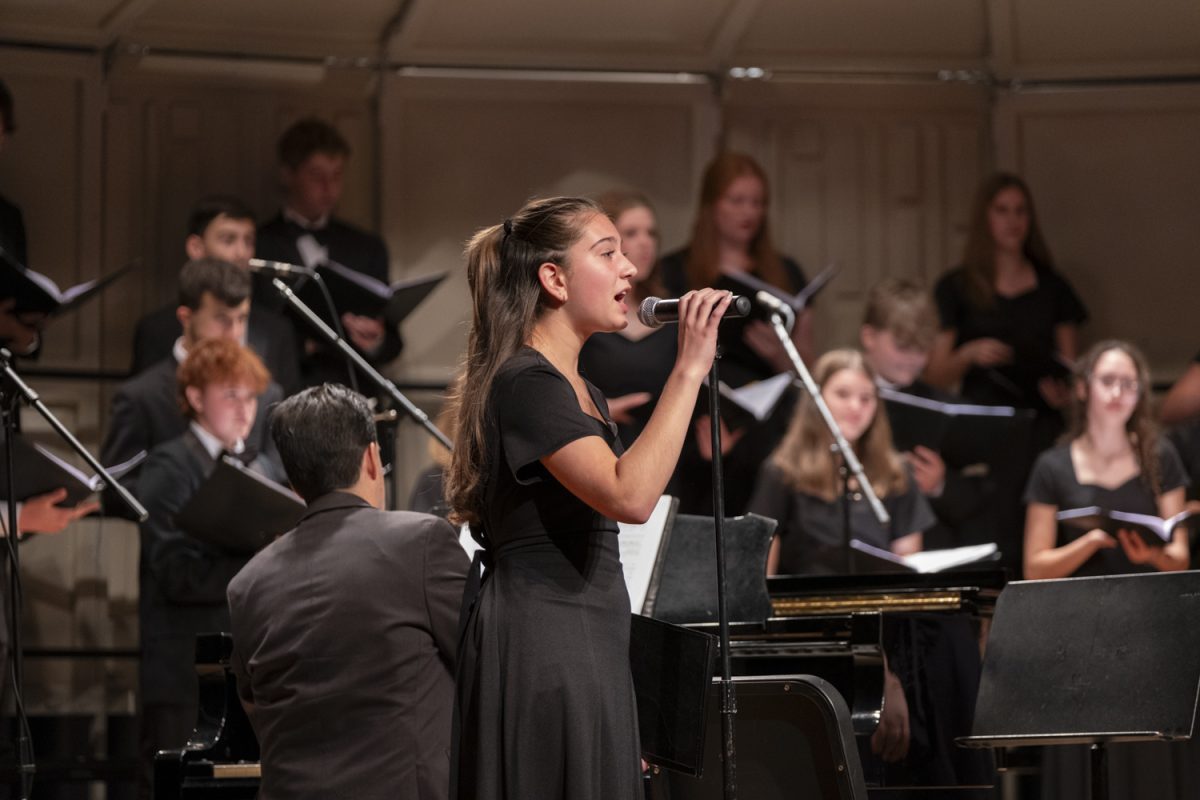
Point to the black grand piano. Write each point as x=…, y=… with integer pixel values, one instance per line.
x=834, y=627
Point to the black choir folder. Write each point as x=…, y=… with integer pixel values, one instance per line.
x=39, y=471
x=745, y=283
x=937, y=425
x=36, y=293
x=238, y=509
x=1155, y=531
x=357, y=293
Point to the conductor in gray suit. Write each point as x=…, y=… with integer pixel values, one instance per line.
x=345, y=628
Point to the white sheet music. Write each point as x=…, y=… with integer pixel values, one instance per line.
x=639, y=545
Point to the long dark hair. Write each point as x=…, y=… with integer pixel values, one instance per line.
x=506, y=299
x=704, y=250
x=1142, y=429
x=979, y=255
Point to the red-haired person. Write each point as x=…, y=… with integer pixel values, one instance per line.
x=182, y=578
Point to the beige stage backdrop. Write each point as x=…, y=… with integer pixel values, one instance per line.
x=877, y=120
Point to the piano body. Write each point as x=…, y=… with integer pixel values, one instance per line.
x=220, y=760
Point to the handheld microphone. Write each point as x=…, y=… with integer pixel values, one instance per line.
x=279, y=269
x=655, y=312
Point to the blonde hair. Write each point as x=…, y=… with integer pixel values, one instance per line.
x=903, y=309
x=805, y=459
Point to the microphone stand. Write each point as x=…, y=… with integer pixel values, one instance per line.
x=352, y=355
x=728, y=696
x=12, y=391
x=850, y=463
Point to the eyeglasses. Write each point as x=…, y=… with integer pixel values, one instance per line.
x=1110, y=382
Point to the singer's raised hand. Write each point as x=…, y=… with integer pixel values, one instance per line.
x=700, y=315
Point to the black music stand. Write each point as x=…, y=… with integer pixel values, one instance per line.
x=684, y=587
x=1091, y=661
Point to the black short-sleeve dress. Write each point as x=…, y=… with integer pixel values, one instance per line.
x=1053, y=482
x=545, y=703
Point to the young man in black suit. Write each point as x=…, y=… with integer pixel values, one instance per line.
x=183, y=579
x=312, y=160
x=345, y=628
x=214, y=303
x=222, y=228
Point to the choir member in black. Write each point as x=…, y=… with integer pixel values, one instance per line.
x=1180, y=412
x=1010, y=325
x=932, y=663
x=1010, y=321
x=12, y=225
x=545, y=698
x=631, y=366
x=20, y=331
x=799, y=486
x=182, y=578
x=899, y=326
x=428, y=494
x=1113, y=457
x=214, y=303
x=312, y=161
x=731, y=235
x=222, y=228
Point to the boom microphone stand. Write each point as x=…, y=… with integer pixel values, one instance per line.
x=13, y=390
x=782, y=318
x=352, y=355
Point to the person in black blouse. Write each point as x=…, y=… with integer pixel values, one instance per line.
x=1010, y=321
x=632, y=365
x=799, y=487
x=730, y=236
x=545, y=705
x=1112, y=457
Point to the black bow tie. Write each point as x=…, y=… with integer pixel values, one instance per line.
x=246, y=457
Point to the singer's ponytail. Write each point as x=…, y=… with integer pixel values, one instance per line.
x=506, y=300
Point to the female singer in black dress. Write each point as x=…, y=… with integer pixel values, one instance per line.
x=630, y=366
x=545, y=705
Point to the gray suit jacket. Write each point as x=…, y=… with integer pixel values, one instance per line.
x=345, y=631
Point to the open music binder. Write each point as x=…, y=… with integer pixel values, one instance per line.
x=1154, y=531
x=37, y=293
x=867, y=558
x=975, y=430
x=357, y=293
x=40, y=471
x=747, y=404
x=238, y=509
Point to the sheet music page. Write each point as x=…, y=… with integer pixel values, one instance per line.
x=639, y=545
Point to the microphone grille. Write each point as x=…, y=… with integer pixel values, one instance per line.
x=646, y=313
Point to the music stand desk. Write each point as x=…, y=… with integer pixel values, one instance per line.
x=1091, y=661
